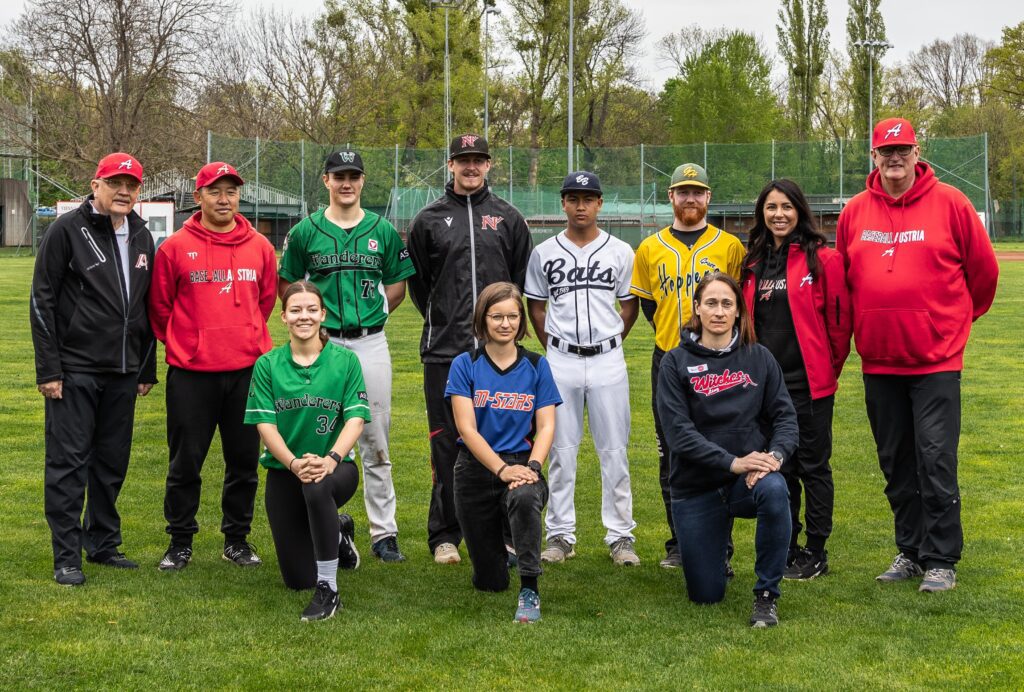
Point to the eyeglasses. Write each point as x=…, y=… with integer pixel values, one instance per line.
x=901, y=150
x=497, y=318
x=130, y=185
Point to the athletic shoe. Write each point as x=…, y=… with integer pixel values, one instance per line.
x=902, y=568
x=348, y=556
x=176, y=558
x=69, y=576
x=672, y=559
x=765, y=613
x=793, y=554
x=117, y=560
x=529, y=606
x=622, y=553
x=324, y=604
x=513, y=559
x=938, y=579
x=447, y=554
x=387, y=550
x=729, y=571
x=558, y=550
x=808, y=565
x=242, y=554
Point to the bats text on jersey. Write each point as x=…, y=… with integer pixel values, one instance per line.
x=577, y=278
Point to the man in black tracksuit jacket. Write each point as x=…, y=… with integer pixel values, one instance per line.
x=94, y=353
x=459, y=244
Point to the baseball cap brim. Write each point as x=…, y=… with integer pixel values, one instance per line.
x=690, y=183
x=344, y=167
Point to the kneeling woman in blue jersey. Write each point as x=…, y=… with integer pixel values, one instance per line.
x=300, y=392
x=503, y=399
x=730, y=426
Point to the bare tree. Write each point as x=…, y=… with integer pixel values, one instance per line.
x=951, y=72
x=678, y=49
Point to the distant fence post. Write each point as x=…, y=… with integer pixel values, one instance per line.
x=840, y=170
x=209, y=146
x=510, y=174
x=773, y=159
x=705, y=155
x=302, y=176
x=394, y=193
x=989, y=226
x=641, y=188
x=257, y=224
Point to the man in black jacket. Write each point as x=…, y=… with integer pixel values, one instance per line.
x=94, y=353
x=459, y=244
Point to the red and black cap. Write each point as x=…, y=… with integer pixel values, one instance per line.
x=468, y=144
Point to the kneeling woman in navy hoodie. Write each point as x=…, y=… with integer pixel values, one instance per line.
x=730, y=426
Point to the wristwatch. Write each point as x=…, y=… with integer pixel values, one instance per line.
x=334, y=455
x=778, y=456
x=534, y=466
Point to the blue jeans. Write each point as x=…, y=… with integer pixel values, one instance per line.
x=703, y=522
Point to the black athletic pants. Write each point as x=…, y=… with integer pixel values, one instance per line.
x=810, y=467
x=304, y=520
x=88, y=435
x=198, y=403
x=442, y=524
x=916, y=423
x=485, y=507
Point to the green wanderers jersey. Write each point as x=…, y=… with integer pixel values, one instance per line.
x=306, y=404
x=350, y=267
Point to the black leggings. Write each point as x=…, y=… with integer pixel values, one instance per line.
x=304, y=520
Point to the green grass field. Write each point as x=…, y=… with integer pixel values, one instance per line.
x=421, y=625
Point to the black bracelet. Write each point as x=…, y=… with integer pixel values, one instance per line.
x=503, y=467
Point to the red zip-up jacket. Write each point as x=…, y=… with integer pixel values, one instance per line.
x=211, y=296
x=920, y=269
x=821, y=315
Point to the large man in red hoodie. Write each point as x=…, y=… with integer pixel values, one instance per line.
x=214, y=287
x=920, y=269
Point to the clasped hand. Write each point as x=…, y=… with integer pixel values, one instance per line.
x=517, y=475
x=311, y=468
x=755, y=465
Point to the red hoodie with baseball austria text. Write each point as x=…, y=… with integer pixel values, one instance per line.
x=920, y=269
x=211, y=296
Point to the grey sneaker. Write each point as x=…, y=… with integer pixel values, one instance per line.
x=901, y=569
x=623, y=554
x=242, y=554
x=529, y=606
x=69, y=576
x=558, y=550
x=672, y=560
x=938, y=579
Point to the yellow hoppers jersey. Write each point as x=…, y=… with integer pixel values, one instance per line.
x=667, y=272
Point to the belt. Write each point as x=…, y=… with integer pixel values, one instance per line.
x=353, y=333
x=585, y=351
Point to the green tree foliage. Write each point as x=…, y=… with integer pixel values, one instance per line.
x=864, y=23
x=1007, y=63
x=803, y=44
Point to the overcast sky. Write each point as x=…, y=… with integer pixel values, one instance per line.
x=909, y=25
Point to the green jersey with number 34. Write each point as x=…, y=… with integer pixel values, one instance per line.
x=309, y=405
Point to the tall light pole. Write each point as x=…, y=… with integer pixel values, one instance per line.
x=871, y=45
x=447, y=5
x=570, y=61
x=489, y=9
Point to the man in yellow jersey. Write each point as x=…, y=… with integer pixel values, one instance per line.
x=666, y=271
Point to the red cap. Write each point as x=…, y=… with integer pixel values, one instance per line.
x=212, y=172
x=119, y=163
x=892, y=132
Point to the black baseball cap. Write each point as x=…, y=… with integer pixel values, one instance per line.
x=582, y=181
x=344, y=160
x=468, y=143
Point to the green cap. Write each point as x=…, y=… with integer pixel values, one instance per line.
x=690, y=174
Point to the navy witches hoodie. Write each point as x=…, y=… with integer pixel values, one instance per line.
x=719, y=405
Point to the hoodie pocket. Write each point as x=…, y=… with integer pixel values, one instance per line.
x=232, y=347
x=899, y=336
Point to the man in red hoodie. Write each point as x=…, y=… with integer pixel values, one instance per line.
x=920, y=269
x=214, y=287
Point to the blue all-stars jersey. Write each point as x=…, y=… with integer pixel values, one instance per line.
x=504, y=400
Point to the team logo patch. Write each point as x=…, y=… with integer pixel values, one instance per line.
x=347, y=156
x=224, y=169
x=690, y=172
x=404, y=254
x=142, y=262
x=363, y=397
x=582, y=180
x=893, y=131
x=192, y=255
x=490, y=222
x=694, y=369
x=469, y=140
x=713, y=383
x=890, y=252
x=372, y=244
x=448, y=220
x=126, y=164
x=806, y=281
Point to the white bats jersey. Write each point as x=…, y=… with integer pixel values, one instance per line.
x=581, y=286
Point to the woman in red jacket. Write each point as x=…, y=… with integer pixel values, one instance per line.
x=795, y=288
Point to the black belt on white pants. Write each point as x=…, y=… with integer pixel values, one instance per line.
x=585, y=351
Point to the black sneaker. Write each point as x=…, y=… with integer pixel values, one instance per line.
x=808, y=565
x=242, y=554
x=729, y=571
x=765, y=613
x=793, y=554
x=69, y=576
x=176, y=558
x=325, y=602
x=387, y=550
x=348, y=556
x=118, y=560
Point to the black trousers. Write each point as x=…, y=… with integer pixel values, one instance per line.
x=198, y=403
x=672, y=544
x=485, y=507
x=304, y=520
x=88, y=436
x=442, y=523
x=916, y=423
x=810, y=468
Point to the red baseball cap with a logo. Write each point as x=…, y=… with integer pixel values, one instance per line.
x=893, y=132
x=212, y=172
x=119, y=163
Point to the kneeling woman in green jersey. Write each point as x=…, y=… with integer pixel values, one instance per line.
x=300, y=392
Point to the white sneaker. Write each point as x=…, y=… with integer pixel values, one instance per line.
x=558, y=550
x=447, y=554
x=623, y=554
